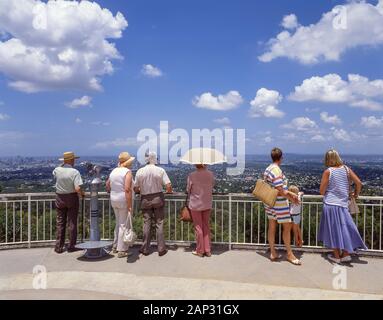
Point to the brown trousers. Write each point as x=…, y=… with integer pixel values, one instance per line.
x=67, y=206
x=152, y=207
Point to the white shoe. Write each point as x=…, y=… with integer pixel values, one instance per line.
x=333, y=259
x=346, y=259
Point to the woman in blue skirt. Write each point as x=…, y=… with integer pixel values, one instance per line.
x=337, y=230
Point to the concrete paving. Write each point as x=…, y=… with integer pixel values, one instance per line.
x=236, y=274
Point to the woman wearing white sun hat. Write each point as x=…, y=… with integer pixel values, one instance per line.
x=120, y=185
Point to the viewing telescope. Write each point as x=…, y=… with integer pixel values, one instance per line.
x=95, y=247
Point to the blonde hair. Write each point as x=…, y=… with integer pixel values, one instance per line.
x=332, y=159
x=294, y=189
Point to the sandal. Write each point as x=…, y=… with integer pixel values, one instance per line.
x=295, y=262
x=346, y=259
x=333, y=259
x=197, y=254
x=122, y=254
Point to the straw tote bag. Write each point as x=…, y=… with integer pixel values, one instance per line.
x=352, y=205
x=266, y=193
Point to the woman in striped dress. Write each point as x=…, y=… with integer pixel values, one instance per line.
x=280, y=213
x=337, y=230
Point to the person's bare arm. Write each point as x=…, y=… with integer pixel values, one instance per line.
x=108, y=189
x=358, y=184
x=169, y=188
x=324, y=182
x=136, y=189
x=79, y=191
x=288, y=195
x=128, y=191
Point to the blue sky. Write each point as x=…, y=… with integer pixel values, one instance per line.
x=205, y=47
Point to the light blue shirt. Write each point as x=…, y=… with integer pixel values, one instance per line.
x=67, y=179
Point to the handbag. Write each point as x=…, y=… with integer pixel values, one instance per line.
x=185, y=212
x=129, y=236
x=266, y=193
x=352, y=205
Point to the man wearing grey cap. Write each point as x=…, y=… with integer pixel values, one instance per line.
x=149, y=182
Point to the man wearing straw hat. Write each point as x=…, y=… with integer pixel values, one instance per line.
x=149, y=182
x=68, y=190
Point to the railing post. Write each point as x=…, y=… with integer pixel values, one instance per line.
x=29, y=220
x=230, y=222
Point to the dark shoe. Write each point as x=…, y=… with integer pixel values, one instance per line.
x=162, y=253
x=59, y=250
x=144, y=253
x=208, y=254
x=73, y=250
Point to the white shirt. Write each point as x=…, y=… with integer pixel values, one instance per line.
x=117, y=184
x=151, y=179
x=295, y=209
x=67, y=178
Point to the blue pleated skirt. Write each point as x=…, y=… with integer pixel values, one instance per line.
x=337, y=230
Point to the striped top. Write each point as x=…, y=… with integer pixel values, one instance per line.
x=337, y=192
x=275, y=177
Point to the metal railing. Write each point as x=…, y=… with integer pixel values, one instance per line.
x=236, y=219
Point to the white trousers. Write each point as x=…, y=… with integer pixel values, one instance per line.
x=121, y=213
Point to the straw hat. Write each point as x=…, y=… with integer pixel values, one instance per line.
x=69, y=156
x=125, y=159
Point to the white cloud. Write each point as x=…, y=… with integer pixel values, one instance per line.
x=301, y=124
x=324, y=41
x=11, y=136
x=58, y=45
x=4, y=117
x=289, y=136
x=290, y=22
x=119, y=142
x=371, y=122
x=228, y=101
x=78, y=120
x=151, y=71
x=318, y=138
x=310, y=110
x=334, y=120
x=356, y=91
x=84, y=101
x=100, y=123
x=341, y=135
x=224, y=120
x=265, y=104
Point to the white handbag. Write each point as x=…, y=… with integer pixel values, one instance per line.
x=129, y=236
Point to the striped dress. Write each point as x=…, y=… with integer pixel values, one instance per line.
x=281, y=210
x=337, y=192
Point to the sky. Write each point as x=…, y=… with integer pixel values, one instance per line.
x=88, y=76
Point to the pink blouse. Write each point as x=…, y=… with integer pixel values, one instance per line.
x=200, y=187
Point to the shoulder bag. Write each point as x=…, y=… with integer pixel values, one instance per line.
x=185, y=212
x=266, y=193
x=352, y=205
x=129, y=236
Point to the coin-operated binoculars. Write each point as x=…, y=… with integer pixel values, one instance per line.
x=95, y=247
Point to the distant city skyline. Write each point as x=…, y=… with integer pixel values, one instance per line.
x=88, y=76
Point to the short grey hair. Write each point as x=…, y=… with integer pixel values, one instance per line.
x=151, y=157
